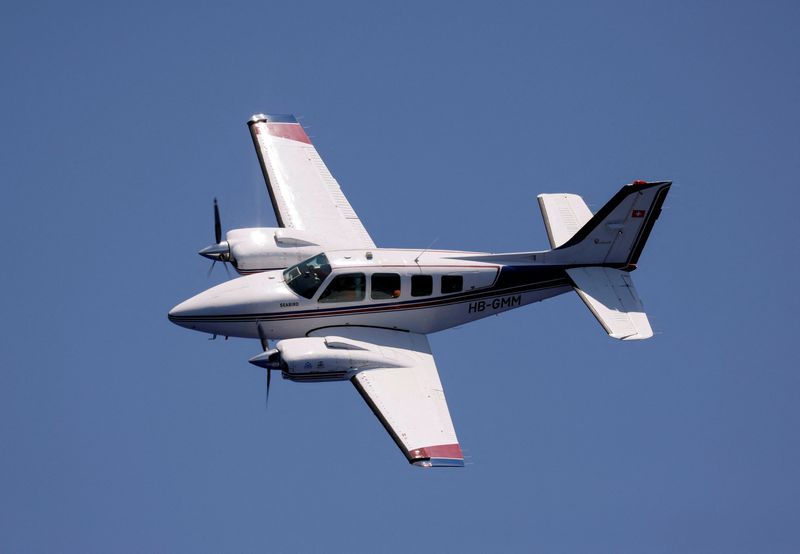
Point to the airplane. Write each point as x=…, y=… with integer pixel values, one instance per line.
x=337, y=307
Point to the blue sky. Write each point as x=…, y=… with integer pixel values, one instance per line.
x=123, y=433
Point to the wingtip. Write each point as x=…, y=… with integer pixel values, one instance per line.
x=441, y=455
x=272, y=118
x=439, y=462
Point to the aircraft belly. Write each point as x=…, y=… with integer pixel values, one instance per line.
x=244, y=329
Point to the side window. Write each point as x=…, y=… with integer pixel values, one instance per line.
x=452, y=283
x=348, y=287
x=421, y=285
x=385, y=286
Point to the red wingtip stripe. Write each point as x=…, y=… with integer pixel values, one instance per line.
x=438, y=451
x=291, y=131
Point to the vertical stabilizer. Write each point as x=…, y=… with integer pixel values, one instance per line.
x=617, y=233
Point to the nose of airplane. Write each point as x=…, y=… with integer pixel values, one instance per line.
x=225, y=299
x=185, y=308
x=185, y=313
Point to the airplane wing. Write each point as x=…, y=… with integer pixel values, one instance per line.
x=409, y=401
x=304, y=194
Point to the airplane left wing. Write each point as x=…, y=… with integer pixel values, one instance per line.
x=409, y=400
x=304, y=194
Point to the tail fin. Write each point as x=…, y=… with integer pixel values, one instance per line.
x=617, y=233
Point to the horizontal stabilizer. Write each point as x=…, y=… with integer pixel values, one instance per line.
x=612, y=298
x=563, y=215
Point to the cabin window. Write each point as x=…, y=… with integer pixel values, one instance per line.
x=421, y=285
x=347, y=287
x=307, y=276
x=385, y=286
x=452, y=283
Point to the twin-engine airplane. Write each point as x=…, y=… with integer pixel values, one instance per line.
x=341, y=308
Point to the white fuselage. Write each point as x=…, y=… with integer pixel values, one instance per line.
x=388, y=288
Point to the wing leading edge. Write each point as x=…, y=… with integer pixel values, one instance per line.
x=304, y=194
x=409, y=401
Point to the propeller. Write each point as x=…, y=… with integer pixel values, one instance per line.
x=220, y=251
x=264, y=345
x=217, y=223
x=266, y=395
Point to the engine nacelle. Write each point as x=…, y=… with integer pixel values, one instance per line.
x=327, y=358
x=261, y=248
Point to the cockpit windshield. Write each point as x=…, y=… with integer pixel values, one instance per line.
x=306, y=277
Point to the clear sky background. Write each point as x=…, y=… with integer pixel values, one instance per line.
x=120, y=432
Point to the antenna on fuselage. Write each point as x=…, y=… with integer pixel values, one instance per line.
x=416, y=260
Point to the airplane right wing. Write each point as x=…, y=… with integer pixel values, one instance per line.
x=304, y=194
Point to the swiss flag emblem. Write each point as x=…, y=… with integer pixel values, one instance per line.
x=638, y=213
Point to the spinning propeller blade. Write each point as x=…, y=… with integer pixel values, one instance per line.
x=266, y=397
x=220, y=250
x=264, y=345
x=217, y=224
